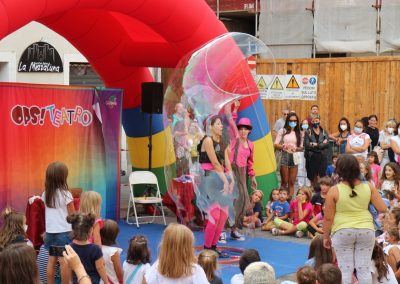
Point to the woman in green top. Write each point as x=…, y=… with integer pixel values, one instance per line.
x=348, y=221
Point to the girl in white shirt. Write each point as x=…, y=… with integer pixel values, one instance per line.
x=58, y=204
x=111, y=254
x=358, y=142
x=137, y=261
x=395, y=144
x=381, y=272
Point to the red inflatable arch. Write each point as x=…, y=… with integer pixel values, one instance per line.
x=120, y=37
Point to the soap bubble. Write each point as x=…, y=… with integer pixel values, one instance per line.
x=205, y=84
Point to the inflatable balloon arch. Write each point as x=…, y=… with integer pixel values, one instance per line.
x=121, y=39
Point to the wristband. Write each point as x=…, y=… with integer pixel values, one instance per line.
x=83, y=276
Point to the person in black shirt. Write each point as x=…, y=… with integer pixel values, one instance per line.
x=372, y=130
x=318, y=199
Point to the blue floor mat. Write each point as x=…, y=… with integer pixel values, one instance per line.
x=285, y=257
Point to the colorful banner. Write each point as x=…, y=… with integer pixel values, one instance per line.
x=78, y=126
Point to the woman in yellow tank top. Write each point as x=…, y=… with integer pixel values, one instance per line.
x=348, y=225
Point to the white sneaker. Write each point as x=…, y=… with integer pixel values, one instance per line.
x=275, y=231
x=235, y=235
x=222, y=238
x=299, y=234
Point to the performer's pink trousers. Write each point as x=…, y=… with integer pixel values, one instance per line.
x=216, y=222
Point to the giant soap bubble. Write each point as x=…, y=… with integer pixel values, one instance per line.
x=206, y=83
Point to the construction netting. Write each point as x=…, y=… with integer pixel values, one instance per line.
x=292, y=28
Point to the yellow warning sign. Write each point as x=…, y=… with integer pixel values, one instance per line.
x=292, y=83
x=261, y=83
x=276, y=85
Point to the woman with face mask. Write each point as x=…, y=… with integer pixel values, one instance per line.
x=289, y=141
x=302, y=179
x=316, y=146
x=384, y=140
x=395, y=144
x=358, y=142
x=340, y=137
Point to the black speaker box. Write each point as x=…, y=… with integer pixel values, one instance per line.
x=152, y=97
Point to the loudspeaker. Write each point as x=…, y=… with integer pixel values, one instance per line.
x=152, y=97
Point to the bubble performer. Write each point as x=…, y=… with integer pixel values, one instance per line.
x=217, y=183
x=241, y=158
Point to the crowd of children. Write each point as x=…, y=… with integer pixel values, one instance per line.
x=92, y=240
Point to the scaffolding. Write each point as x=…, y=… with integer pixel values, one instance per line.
x=303, y=28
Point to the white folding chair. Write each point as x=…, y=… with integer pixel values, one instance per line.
x=144, y=177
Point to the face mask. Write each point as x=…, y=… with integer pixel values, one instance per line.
x=292, y=124
x=390, y=130
x=358, y=130
x=304, y=126
x=25, y=228
x=315, y=125
x=398, y=131
x=343, y=127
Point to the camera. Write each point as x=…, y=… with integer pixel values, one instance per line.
x=56, y=250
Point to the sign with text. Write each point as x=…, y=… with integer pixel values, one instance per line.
x=287, y=87
x=40, y=57
x=79, y=126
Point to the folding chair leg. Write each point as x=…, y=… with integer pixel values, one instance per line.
x=136, y=217
x=128, y=211
x=163, y=215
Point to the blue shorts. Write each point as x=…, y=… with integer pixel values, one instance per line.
x=56, y=239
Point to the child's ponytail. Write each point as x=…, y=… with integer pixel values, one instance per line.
x=81, y=225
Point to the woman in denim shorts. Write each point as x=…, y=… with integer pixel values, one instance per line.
x=289, y=141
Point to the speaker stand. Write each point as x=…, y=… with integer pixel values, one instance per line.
x=150, y=146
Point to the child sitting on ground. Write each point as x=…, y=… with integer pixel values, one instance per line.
x=318, y=198
x=208, y=260
x=318, y=254
x=315, y=225
x=253, y=218
x=380, y=270
x=300, y=215
x=90, y=254
x=91, y=203
x=247, y=257
x=392, y=239
x=111, y=254
x=279, y=209
x=389, y=180
x=274, y=196
x=304, y=275
x=137, y=260
x=373, y=161
x=366, y=173
x=330, y=170
x=13, y=229
x=329, y=273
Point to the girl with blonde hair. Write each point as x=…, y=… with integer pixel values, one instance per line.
x=300, y=215
x=176, y=261
x=208, y=260
x=91, y=204
x=384, y=140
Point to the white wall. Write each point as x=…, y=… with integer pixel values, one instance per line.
x=15, y=44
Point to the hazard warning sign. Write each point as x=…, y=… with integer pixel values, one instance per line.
x=287, y=87
x=261, y=84
x=292, y=84
x=276, y=84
